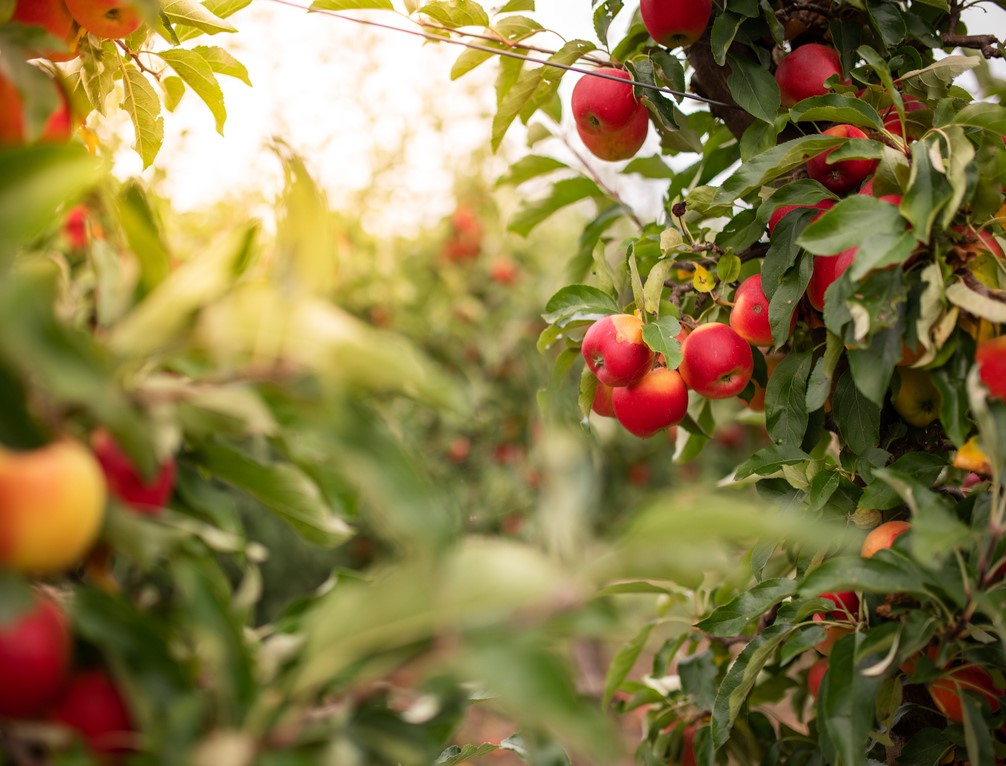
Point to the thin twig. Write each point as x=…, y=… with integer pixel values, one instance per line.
x=989, y=45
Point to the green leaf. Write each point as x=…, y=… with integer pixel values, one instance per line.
x=868, y=575
x=988, y=304
x=771, y=459
x=648, y=167
x=731, y=618
x=454, y=755
x=222, y=62
x=847, y=700
x=141, y=103
x=456, y=13
x=921, y=466
x=927, y=748
x=529, y=167
x=765, y=167
x=837, y=108
x=471, y=58
x=562, y=194
x=604, y=14
x=819, y=384
x=198, y=75
x=578, y=303
x=353, y=5
x=857, y=418
x=786, y=297
x=515, y=6
x=991, y=117
x=786, y=415
x=16, y=598
x=722, y=34
x=623, y=662
x=221, y=9
x=193, y=14
x=753, y=87
x=929, y=189
x=281, y=487
x=661, y=336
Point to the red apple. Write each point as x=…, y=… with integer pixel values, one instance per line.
x=601, y=403
x=716, y=361
x=802, y=73
x=883, y=536
x=892, y=123
x=780, y=212
x=655, y=402
x=110, y=19
x=93, y=706
x=947, y=690
x=614, y=350
x=75, y=226
x=34, y=660
x=52, y=16
x=991, y=359
x=675, y=22
x=13, y=131
x=840, y=177
x=148, y=496
x=749, y=315
x=611, y=122
x=847, y=613
x=503, y=271
x=827, y=268
x=815, y=675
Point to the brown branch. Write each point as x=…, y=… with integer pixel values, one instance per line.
x=989, y=45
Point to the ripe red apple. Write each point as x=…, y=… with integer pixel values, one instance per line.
x=75, y=226
x=34, y=660
x=947, y=690
x=610, y=121
x=991, y=359
x=827, y=268
x=749, y=315
x=52, y=16
x=601, y=403
x=840, y=177
x=847, y=613
x=503, y=271
x=93, y=706
x=815, y=675
x=780, y=212
x=687, y=746
x=892, y=123
x=13, y=131
x=883, y=536
x=675, y=22
x=110, y=19
x=148, y=496
x=802, y=73
x=716, y=362
x=614, y=350
x=655, y=402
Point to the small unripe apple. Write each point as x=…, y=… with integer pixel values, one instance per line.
x=148, y=496
x=780, y=212
x=52, y=16
x=655, y=402
x=110, y=19
x=614, y=350
x=93, y=706
x=52, y=504
x=716, y=362
x=673, y=23
x=991, y=359
x=611, y=122
x=34, y=660
x=883, y=536
x=749, y=315
x=948, y=690
x=827, y=268
x=803, y=72
x=918, y=400
x=844, y=176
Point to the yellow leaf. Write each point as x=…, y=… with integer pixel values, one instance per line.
x=971, y=457
x=703, y=280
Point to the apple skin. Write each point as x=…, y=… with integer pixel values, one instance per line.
x=601, y=403
x=34, y=660
x=13, y=132
x=827, y=268
x=892, y=123
x=847, y=611
x=716, y=362
x=802, y=72
x=614, y=350
x=52, y=505
x=52, y=16
x=749, y=315
x=673, y=23
x=883, y=536
x=503, y=271
x=840, y=177
x=991, y=359
x=110, y=19
x=125, y=482
x=780, y=212
x=948, y=689
x=917, y=401
x=657, y=401
x=815, y=675
x=609, y=120
x=92, y=706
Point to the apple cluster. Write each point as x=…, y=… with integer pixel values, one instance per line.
x=53, y=503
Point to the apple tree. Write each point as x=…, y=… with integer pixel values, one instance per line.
x=829, y=254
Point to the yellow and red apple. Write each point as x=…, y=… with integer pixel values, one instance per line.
x=614, y=350
x=883, y=536
x=110, y=19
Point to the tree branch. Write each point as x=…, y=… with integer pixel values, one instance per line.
x=989, y=45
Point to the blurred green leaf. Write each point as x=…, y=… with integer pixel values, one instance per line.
x=731, y=618
x=199, y=76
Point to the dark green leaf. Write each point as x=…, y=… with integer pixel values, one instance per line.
x=753, y=87
x=836, y=107
x=769, y=460
x=731, y=618
x=578, y=303
x=786, y=415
